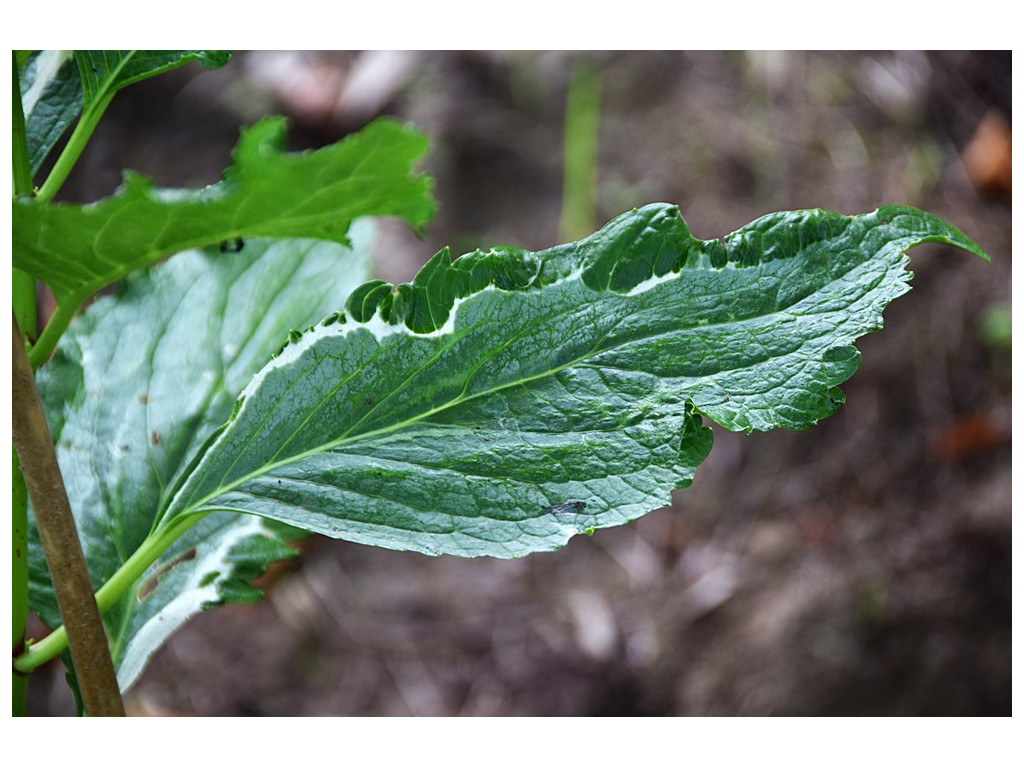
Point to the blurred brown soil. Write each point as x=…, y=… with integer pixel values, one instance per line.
x=862, y=567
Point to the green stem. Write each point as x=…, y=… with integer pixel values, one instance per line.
x=23, y=284
x=19, y=580
x=23, y=290
x=55, y=327
x=110, y=593
x=73, y=150
x=21, y=164
x=24, y=295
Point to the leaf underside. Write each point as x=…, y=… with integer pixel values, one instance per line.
x=105, y=72
x=138, y=383
x=501, y=403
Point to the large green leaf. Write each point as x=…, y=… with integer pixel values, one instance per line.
x=136, y=386
x=78, y=249
x=500, y=404
x=51, y=95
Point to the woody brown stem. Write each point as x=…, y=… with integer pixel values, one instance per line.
x=87, y=639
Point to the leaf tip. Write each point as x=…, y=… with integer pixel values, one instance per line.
x=926, y=227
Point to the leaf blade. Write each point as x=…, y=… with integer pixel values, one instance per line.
x=130, y=398
x=51, y=88
x=78, y=249
x=482, y=381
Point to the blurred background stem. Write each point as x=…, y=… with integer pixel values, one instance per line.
x=582, y=118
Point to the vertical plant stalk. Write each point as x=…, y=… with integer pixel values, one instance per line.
x=21, y=166
x=23, y=291
x=582, y=119
x=87, y=639
x=24, y=285
x=19, y=583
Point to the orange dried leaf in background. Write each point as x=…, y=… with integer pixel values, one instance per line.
x=967, y=436
x=988, y=157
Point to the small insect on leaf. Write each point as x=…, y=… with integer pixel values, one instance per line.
x=568, y=508
x=572, y=514
x=232, y=246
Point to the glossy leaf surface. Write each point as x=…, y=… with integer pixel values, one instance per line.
x=502, y=403
x=51, y=91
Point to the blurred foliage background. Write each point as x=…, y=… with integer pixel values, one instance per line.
x=860, y=568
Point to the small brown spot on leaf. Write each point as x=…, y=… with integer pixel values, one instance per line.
x=154, y=580
x=154, y=438
x=143, y=399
